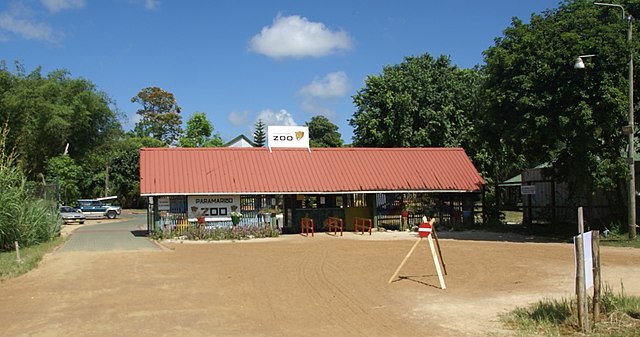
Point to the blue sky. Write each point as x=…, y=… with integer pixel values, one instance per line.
x=237, y=61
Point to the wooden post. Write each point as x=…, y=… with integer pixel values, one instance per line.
x=404, y=261
x=580, y=281
x=595, y=244
x=435, y=236
x=437, y=263
x=18, y=259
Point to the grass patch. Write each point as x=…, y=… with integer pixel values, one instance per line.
x=619, y=240
x=514, y=217
x=620, y=316
x=30, y=256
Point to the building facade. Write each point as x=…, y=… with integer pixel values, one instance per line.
x=209, y=185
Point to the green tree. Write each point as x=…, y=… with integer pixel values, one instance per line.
x=539, y=109
x=160, y=115
x=259, y=135
x=199, y=131
x=64, y=170
x=45, y=113
x=323, y=133
x=421, y=102
x=124, y=174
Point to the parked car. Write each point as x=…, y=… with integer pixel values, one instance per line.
x=94, y=208
x=72, y=215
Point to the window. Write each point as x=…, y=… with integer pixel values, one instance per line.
x=248, y=203
x=357, y=200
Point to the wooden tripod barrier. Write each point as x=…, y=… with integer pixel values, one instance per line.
x=433, y=253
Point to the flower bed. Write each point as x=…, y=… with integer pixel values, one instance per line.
x=217, y=233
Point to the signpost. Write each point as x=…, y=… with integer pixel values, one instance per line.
x=424, y=231
x=587, y=252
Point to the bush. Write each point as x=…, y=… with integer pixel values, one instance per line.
x=23, y=218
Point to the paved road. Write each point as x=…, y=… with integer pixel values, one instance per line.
x=109, y=235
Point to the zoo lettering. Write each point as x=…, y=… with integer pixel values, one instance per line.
x=282, y=137
x=214, y=211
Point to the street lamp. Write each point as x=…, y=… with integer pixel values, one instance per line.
x=629, y=130
x=580, y=63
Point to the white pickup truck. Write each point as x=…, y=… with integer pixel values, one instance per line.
x=96, y=208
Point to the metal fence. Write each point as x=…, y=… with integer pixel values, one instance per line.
x=397, y=222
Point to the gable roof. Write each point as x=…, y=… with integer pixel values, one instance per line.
x=192, y=171
x=240, y=141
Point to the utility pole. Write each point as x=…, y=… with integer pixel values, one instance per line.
x=629, y=129
x=632, y=152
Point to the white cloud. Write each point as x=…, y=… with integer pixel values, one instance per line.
x=238, y=118
x=334, y=84
x=322, y=93
x=151, y=4
x=282, y=117
x=133, y=120
x=295, y=36
x=58, y=5
x=27, y=28
x=317, y=108
x=18, y=21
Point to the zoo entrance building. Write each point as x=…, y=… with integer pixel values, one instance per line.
x=207, y=185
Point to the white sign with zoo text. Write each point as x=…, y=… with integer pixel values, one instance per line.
x=212, y=207
x=288, y=136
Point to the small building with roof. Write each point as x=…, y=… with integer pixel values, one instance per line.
x=315, y=183
x=240, y=141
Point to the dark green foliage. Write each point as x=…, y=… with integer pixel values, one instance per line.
x=45, y=113
x=421, y=102
x=63, y=169
x=259, y=135
x=539, y=109
x=323, y=133
x=124, y=169
x=198, y=133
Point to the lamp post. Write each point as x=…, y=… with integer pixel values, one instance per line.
x=629, y=130
x=580, y=63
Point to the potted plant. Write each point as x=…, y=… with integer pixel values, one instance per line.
x=235, y=215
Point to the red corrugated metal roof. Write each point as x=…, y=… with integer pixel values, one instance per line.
x=179, y=171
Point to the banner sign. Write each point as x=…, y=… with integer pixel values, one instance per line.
x=212, y=207
x=587, y=252
x=288, y=136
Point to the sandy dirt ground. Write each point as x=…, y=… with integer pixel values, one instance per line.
x=296, y=286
